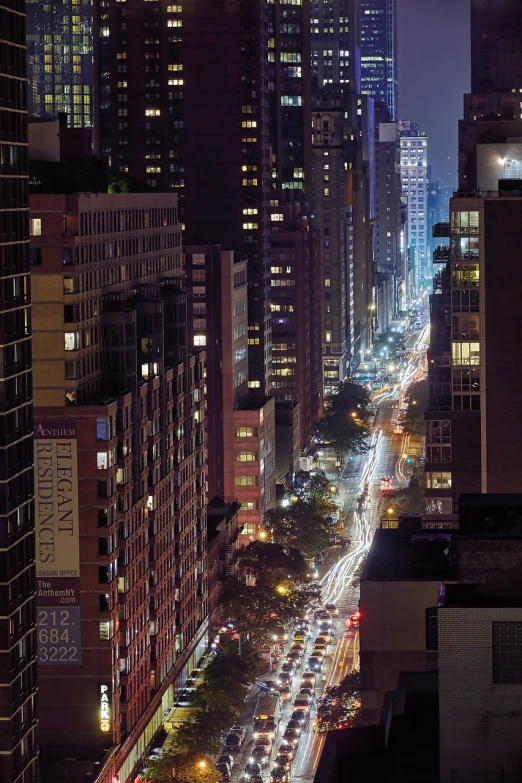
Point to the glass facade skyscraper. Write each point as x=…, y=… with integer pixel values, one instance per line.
x=60, y=60
x=379, y=51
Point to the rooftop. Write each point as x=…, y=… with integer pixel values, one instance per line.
x=395, y=555
x=402, y=749
x=503, y=590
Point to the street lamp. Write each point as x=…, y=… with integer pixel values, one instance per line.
x=390, y=510
x=201, y=764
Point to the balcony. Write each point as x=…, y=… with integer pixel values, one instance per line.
x=441, y=230
x=441, y=254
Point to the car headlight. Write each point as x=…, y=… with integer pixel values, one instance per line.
x=256, y=735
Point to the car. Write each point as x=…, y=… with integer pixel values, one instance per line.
x=225, y=771
x=257, y=779
x=324, y=636
x=309, y=676
x=287, y=749
x=324, y=618
x=266, y=742
x=318, y=653
x=227, y=758
x=298, y=644
x=282, y=763
x=292, y=737
x=260, y=755
x=285, y=678
x=325, y=627
x=288, y=668
x=299, y=637
x=285, y=691
x=294, y=724
x=233, y=741
x=300, y=716
x=239, y=730
x=278, y=776
x=321, y=612
x=353, y=620
x=295, y=657
x=223, y=762
x=320, y=643
x=315, y=663
x=306, y=692
x=252, y=768
x=302, y=702
x=267, y=687
x=332, y=609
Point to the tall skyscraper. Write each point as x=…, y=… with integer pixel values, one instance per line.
x=60, y=52
x=379, y=52
x=335, y=43
x=18, y=743
x=414, y=175
x=120, y=459
x=496, y=46
x=389, y=256
x=332, y=201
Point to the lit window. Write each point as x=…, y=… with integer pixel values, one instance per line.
x=326, y=191
x=71, y=341
x=328, y=337
x=35, y=227
x=250, y=505
x=465, y=353
x=327, y=282
x=103, y=460
x=152, y=112
x=246, y=481
x=200, y=340
x=277, y=217
x=105, y=630
x=246, y=456
x=245, y=432
x=440, y=480
x=250, y=211
x=254, y=384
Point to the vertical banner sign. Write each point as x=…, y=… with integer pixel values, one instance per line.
x=57, y=543
x=105, y=706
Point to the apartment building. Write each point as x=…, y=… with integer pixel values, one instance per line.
x=241, y=420
x=120, y=452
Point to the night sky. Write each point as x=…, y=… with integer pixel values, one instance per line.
x=434, y=73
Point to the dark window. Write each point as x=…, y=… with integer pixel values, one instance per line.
x=506, y=641
x=104, y=602
x=104, y=546
x=103, y=575
x=432, y=629
x=36, y=256
x=103, y=489
x=103, y=514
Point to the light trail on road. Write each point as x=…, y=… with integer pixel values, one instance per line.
x=338, y=584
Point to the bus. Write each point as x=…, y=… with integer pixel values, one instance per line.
x=266, y=716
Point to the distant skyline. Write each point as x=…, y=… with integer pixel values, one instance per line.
x=434, y=73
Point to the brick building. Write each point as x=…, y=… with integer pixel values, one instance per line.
x=120, y=445
x=480, y=680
